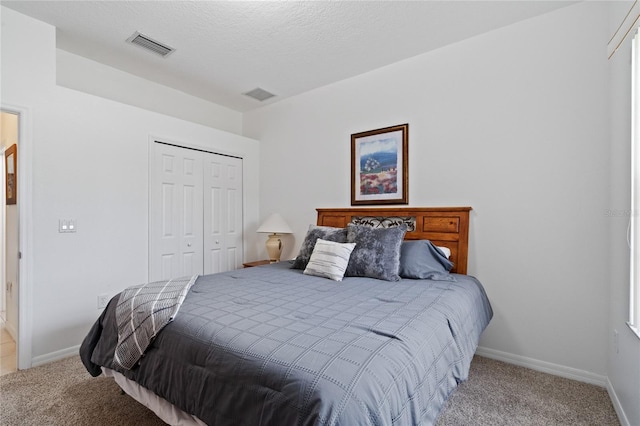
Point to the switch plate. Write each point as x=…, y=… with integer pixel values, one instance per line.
x=66, y=225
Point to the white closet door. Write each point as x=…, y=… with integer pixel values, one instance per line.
x=176, y=213
x=222, y=213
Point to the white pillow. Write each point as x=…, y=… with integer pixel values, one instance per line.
x=329, y=259
x=446, y=251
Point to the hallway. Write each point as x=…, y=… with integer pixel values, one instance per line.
x=7, y=351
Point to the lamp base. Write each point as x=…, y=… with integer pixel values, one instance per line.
x=274, y=248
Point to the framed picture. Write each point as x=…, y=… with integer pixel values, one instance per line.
x=11, y=170
x=379, y=166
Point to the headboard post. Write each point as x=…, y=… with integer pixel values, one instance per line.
x=444, y=226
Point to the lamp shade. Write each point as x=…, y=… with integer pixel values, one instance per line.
x=275, y=224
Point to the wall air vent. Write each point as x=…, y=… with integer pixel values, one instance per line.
x=151, y=45
x=259, y=94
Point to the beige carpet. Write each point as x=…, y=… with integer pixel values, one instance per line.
x=504, y=394
x=63, y=393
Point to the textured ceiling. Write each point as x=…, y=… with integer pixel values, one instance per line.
x=226, y=48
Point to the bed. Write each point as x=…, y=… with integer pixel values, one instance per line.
x=273, y=345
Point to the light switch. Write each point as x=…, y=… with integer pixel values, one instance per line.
x=66, y=225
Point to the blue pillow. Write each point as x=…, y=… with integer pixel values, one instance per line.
x=377, y=252
x=420, y=259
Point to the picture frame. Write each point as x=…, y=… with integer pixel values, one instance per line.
x=11, y=174
x=380, y=166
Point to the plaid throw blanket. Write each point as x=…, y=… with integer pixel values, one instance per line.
x=142, y=311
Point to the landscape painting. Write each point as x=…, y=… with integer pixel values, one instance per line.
x=379, y=161
x=11, y=174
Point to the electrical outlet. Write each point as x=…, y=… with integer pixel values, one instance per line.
x=103, y=300
x=616, y=347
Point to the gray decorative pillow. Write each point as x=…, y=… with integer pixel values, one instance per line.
x=377, y=252
x=422, y=260
x=338, y=235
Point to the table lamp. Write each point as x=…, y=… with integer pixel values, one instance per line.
x=276, y=226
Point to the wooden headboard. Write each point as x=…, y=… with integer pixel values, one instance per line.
x=444, y=226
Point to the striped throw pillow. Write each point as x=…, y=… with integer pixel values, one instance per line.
x=329, y=259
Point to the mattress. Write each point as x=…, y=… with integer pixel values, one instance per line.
x=271, y=346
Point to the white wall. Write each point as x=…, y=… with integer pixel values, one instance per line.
x=77, y=72
x=624, y=363
x=90, y=163
x=513, y=123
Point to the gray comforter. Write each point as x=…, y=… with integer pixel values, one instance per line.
x=271, y=346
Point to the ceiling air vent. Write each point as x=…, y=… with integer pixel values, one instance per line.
x=259, y=94
x=151, y=45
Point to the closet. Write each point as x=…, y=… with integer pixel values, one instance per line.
x=195, y=212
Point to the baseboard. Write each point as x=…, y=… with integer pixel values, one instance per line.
x=55, y=356
x=624, y=421
x=545, y=367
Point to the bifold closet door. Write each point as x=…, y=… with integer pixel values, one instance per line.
x=176, y=213
x=195, y=213
x=222, y=213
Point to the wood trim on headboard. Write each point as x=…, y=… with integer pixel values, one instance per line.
x=444, y=226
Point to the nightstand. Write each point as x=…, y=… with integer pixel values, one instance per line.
x=256, y=263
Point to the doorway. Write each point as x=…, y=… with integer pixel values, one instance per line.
x=9, y=244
